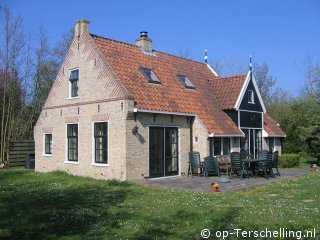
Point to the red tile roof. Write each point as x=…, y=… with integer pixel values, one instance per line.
x=272, y=127
x=210, y=97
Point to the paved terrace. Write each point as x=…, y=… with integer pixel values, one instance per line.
x=197, y=183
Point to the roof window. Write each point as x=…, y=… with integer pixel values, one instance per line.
x=185, y=81
x=150, y=76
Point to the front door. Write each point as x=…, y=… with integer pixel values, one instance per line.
x=252, y=142
x=163, y=151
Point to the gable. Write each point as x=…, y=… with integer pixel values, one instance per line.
x=249, y=98
x=254, y=105
x=97, y=81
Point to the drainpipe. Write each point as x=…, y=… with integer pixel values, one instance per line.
x=191, y=133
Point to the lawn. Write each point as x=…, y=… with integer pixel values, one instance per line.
x=60, y=206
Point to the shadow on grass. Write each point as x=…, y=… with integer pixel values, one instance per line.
x=34, y=209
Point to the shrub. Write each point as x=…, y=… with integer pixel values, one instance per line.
x=289, y=160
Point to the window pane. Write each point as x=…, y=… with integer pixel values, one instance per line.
x=101, y=142
x=72, y=132
x=151, y=77
x=74, y=75
x=185, y=81
x=226, y=146
x=217, y=146
x=48, y=143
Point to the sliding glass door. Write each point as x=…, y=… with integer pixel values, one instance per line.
x=163, y=151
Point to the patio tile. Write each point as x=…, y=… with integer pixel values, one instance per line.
x=196, y=183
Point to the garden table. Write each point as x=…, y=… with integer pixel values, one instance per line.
x=249, y=167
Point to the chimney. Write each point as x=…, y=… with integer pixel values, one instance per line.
x=144, y=42
x=81, y=27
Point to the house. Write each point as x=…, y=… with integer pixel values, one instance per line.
x=126, y=111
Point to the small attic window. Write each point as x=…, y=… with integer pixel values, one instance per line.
x=150, y=76
x=185, y=81
x=250, y=96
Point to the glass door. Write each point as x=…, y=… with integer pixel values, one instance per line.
x=171, y=151
x=163, y=151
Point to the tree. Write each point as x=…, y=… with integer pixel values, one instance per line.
x=12, y=57
x=265, y=82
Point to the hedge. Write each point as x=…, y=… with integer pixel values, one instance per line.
x=289, y=160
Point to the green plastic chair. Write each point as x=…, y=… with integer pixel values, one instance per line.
x=275, y=161
x=237, y=166
x=195, y=165
x=211, y=166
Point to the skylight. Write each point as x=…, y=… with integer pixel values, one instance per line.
x=150, y=76
x=185, y=81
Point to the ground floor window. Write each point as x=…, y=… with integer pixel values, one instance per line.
x=48, y=144
x=72, y=139
x=271, y=144
x=101, y=142
x=220, y=146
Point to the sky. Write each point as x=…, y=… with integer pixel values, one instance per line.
x=280, y=33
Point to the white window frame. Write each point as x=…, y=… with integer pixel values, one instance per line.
x=93, y=162
x=70, y=97
x=44, y=145
x=66, y=137
x=251, y=96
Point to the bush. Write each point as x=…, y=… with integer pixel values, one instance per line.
x=289, y=160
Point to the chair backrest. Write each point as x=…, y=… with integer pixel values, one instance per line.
x=236, y=163
x=275, y=159
x=269, y=159
x=211, y=165
x=194, y=158
x=243, y=154
x=263, y=157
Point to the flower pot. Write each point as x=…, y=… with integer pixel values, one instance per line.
x=214, y=189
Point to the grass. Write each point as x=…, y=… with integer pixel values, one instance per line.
x=60, y=206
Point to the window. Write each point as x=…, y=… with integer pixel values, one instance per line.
x=217, y=146
x=185, y=81
x=48, y=144
x=150, y=76
x=271, y=144
x=221, y=146
x=250, y=96
x=72, y=135
x=226, y=146
x=101, y=142
x=74, y=77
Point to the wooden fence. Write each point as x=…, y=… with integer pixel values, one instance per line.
x=18, y=151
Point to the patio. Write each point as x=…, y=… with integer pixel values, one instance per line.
x=196, y=183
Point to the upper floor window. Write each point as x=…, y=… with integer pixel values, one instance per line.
x=250, y=96
x=150, y=76
x=185, y=81
x=73, y=85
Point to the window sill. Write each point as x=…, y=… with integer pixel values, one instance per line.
x=100, y=164
x=71, y=162
x=251, y=102
x=70, y=98
x=47, y=155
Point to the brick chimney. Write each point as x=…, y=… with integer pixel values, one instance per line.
x=81, y=27
x=144, y=42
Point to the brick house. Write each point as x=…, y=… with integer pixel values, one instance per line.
x=123, y=111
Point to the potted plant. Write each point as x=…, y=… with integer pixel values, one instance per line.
x=214, y=187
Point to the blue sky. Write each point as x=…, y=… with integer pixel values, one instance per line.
x=279, y=33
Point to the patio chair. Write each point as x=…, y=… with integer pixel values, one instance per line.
x=263, y=165
x=269, y=164
x=211, y=166
x=275, y=161
x=195, y=165
x=244, y=154
x=237, y=166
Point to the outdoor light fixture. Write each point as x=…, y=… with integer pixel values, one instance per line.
x=135, y=130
